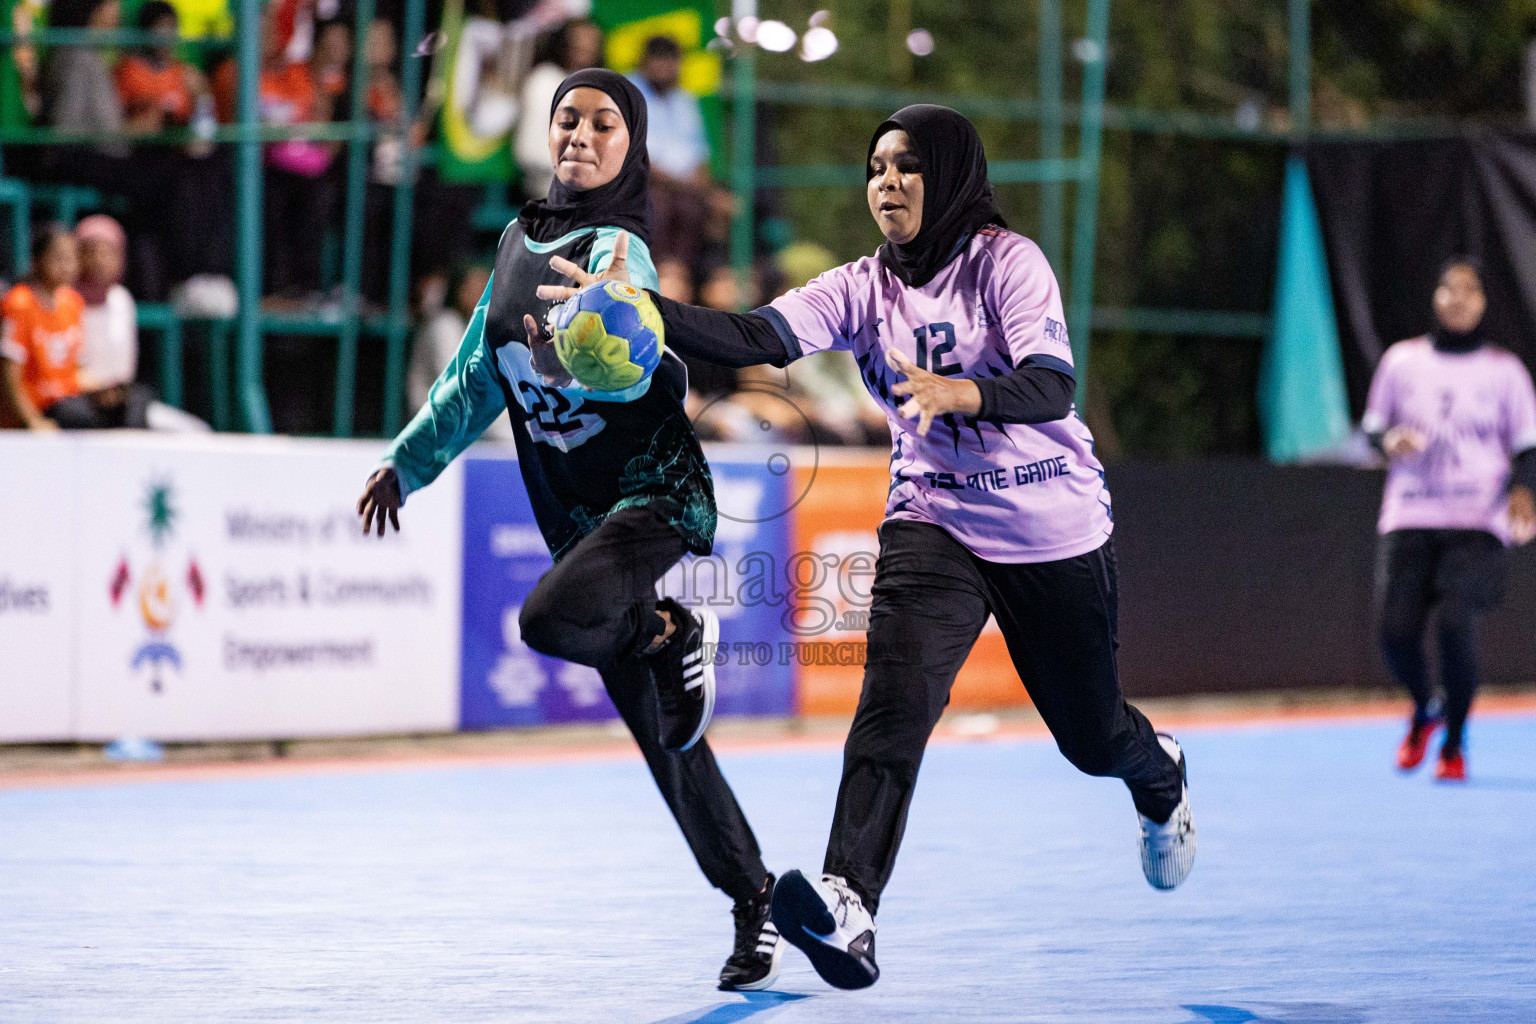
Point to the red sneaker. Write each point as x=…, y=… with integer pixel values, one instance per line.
x=1410, y=754
x=1451, y=769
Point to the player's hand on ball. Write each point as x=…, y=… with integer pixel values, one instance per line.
x=930, y=394
x=617, y=270
x=381, y=499
x=1522, y=514
x=1401, y=441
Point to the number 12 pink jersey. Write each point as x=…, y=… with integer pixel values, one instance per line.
x=1475, y=409
x=1008, y=492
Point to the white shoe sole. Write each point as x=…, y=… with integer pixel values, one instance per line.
x=710, y=645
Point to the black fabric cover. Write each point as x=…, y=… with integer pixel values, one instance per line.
x=957, y=197
x=1392, y=212
x=624, y=202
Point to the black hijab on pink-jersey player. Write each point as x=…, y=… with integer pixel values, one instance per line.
x=957, y=197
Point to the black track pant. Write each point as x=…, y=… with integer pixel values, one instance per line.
x=597, y=607
x=1460, y=575
x=931, y=598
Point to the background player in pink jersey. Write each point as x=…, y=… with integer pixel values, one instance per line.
x=997, y=507
x=1456, y=418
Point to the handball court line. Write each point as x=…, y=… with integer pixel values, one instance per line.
x=954, y=729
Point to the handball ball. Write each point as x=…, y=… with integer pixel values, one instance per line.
x=608, y=336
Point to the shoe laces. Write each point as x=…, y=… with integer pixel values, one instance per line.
x=751, y=918
x=847, y=899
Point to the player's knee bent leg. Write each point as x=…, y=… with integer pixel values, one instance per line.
x=545, y=630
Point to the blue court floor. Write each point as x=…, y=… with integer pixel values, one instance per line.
x=1329, y=890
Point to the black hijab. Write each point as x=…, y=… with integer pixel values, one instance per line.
x=624, y=202
x=957, y=197
x=1447, y=340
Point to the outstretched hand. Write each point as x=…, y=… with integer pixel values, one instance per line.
x=931, y=394
x=381, y=498
x=1522, y=514
x=617, y=270
x=1401, y=442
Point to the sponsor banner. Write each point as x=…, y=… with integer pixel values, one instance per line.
x=754, y=672
x=830, y=576
x=224, y=589
x=505, y=684
x=36, y=538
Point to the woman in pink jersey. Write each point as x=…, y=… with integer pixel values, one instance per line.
x=1456, y=418
x=997, y=507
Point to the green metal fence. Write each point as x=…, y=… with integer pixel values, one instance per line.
x=1053, y=171
x=247, y=136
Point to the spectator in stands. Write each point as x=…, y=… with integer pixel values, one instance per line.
x=299, y=198
x=438, y=340
x=156, y=90
x=679, y=153
x=330, y=66
x=43, y=386
x=24, y=15
x=385, y=170
x=78, y=92
x=181, y=210
x=109, y=356
x=577, y=45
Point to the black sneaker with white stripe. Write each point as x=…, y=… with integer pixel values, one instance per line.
x=754, y=961
x=685, y=676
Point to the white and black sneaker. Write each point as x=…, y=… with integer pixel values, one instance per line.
x=685, y=676
x=1168, y=850
x=829, y=924
x=754, y=962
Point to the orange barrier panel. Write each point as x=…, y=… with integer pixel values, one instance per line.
x=830, y=577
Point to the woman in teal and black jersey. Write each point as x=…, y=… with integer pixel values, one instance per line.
x=618, y=484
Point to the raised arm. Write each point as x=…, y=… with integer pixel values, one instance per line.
x=728, y=339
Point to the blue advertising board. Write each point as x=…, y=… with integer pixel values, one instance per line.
x=504, y=683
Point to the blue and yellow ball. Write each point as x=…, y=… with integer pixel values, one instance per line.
x=609, y=336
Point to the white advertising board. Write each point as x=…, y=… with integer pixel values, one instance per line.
x=221, y=588
x=37, y=505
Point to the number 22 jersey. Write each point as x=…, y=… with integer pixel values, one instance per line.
x=582, y=454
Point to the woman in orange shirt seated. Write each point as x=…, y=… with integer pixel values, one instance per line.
x=42, y=384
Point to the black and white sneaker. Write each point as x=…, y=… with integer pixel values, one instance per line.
x=754, y=962
x=1168, y=850
x=685, y=676
x=829, y=924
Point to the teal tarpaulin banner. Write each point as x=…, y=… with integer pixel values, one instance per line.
x=1303, y=405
